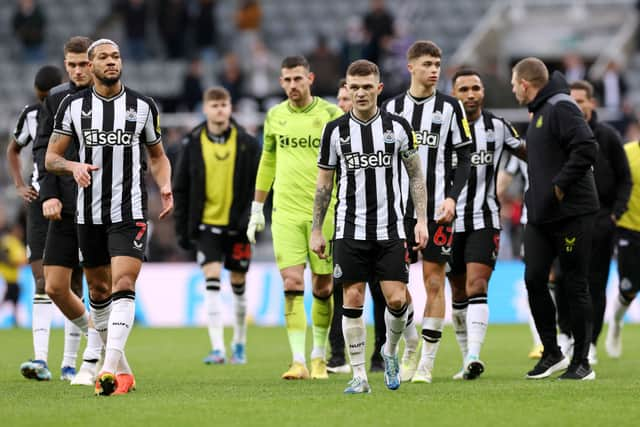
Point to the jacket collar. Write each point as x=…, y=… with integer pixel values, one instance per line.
x=556, y=84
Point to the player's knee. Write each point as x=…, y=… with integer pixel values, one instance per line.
x=293, y=283
x=535, y=281
x=124, y=283
x=628, y=289
x=477, y=286
x=237, y=277
x=40, y=286
x=434, y=285
x=396, y=301
x=56, y=290
x=353, y=296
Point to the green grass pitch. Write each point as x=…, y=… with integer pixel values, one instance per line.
x=176, y=389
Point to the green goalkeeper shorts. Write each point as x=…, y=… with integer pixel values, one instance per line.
x=291, y=243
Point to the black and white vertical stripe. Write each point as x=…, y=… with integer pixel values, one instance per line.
x=439, y=123
x=478, y=207
x=26, y=131
x=110, y=134
x=367, y=159
x=514, y=166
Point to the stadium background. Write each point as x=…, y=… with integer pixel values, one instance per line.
x=175, y=48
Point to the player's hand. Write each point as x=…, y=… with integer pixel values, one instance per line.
x=256, y=220
x=421, y=234
x=27, y=192
x=447, y=211
x=558, y=192
x=82, y=173
x=318, y=244
x=52, y=209
x=166, y=197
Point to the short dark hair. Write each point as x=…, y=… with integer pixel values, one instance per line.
x=216, y=93
x=362, y=67
x=295, y=61
x=77, y=44
x=342, y=83
x=464, y=72
x=422, y=48
x=532, y=70
x=47, y=77
x=583, y=85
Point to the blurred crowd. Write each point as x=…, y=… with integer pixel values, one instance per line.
x=185, y=30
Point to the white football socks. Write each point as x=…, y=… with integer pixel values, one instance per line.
x=41, y=326
x=213, y=303
x=355, y=338
x=240, y=310
x=477, y=323
x=120, y=325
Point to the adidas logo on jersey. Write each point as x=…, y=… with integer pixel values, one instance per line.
x=482, y=157
x=96, y=137
x=424, y=137
x=302, y=142
x=370, y=160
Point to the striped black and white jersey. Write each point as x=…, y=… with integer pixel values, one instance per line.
x=514, y=167
x=441, y=127
x=110, y=133
x=477, y=206
x=367, y=158
x=25, y=132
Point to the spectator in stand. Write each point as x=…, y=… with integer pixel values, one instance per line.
x=378, y=23
x=29, y=23
x=173, y=20
x=353, y=46
x=612, y=88
x=204, y=26
x=326, y=67
x=133, y=14
x=231, y=76
x=574, y=68
x=248, y=18
x=263, y=71
x=192, y=85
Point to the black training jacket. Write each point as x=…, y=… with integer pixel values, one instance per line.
x=561, y=150
x=611, y=170
x=53, y=186
x=189, y=184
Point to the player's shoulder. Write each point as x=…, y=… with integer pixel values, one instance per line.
x=329, y=108
x=138, y=95
x=342, y=120
x=62, y=89
x=390, y=104
x=448, y=99
x=394, y=118
x=69, y=96
x=29, y=108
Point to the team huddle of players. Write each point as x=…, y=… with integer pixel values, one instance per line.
x=413, y=178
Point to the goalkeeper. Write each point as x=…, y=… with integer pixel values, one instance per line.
x=292, y=131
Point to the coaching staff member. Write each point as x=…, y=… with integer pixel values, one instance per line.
x=561, y=202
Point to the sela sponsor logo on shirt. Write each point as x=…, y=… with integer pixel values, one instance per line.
x=298, y=142
x=430, y=139
x=379, y=159
x=482, y=157
x=96, y=137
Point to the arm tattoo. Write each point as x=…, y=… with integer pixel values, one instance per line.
x=417, y=183
x=321, y=204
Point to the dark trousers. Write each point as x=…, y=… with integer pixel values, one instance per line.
x=336, y=339
x=598, y=276
x=570, y=241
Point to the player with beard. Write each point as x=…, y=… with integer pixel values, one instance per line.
x=110, y=123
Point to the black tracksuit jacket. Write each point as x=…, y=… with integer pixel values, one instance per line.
x=561, y=150
x=189, y=184
x=54, y=186
x=611, y=170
